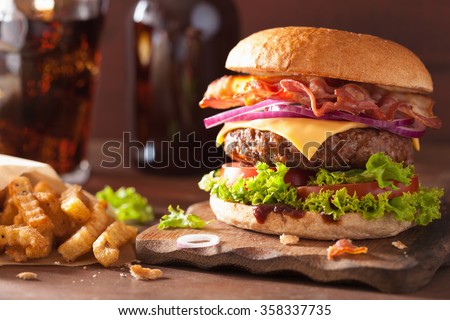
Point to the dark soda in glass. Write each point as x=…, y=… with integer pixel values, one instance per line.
x=46, y=91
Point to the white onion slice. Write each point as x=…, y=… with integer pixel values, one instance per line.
x=197, y=240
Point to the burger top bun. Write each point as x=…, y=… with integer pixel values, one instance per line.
x=330, y=53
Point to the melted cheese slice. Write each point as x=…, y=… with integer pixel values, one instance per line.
x=307, y=135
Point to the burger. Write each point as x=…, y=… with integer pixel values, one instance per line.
x=321, y=126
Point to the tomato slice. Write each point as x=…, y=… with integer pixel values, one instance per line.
x=297, y=177
x=361, y=189
x=233, y=170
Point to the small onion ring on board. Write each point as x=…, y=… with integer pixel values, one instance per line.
x=202, y=240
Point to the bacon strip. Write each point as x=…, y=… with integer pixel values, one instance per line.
x=321, y=89
x=415, y=106
x=298, y=92
x=352, y=99
x=322, y=97
x=217, y=103
x=258, y=90
x=344, y=246
x=220, y=93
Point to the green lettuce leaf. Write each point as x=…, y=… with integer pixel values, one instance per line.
x=177, y=219
x=127, y=204
x=208, y=180
x=379, y=168
x=372, y=207
x=268, y=187
x=420, y=207
x=428, y=205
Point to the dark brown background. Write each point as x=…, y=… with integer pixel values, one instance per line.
x=422, y=26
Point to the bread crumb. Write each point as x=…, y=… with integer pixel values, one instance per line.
x=288, y=239
x=123, y=275
x=84, y=268
x=56, y=263
x=27, y=275
x=140, y=273
x=399, y=245
x=94, y=276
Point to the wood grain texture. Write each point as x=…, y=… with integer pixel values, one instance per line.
x=384, y=267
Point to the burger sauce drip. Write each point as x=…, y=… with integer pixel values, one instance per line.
x=328, y=219
x=261, y=211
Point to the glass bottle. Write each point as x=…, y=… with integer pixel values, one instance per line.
x=180, y=47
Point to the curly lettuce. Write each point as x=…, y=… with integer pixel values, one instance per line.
x=269, y=187
x=379, y=168
x=127, y=204
x=420, y=207
x=178, y=219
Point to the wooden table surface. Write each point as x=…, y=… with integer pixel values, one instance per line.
x=181, y=282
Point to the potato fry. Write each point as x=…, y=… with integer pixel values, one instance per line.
x=44, y=186
x=18, y=220
x=17, y=254
x=34, y=219
x=23, y=236
x=81, y=241
x=64, y=227
x=23, y=242
x=73, y=205
x=20, y=254
x=3, y=195
x=41, y=252
x=9, y=212
x=28, y=207
x=106, y=247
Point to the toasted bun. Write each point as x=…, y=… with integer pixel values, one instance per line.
x=309, y=226
x=330, y=53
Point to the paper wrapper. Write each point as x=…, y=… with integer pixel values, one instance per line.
x=12, y=167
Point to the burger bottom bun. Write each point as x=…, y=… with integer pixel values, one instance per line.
x=310, y=226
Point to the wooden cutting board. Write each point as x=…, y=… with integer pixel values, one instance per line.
x=384, y=267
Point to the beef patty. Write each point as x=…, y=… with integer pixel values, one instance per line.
x=343, y=151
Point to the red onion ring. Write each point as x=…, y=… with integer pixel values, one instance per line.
x=284, y=109
x=417, y=130
x=373, y=122
x=276, y=114
x=227, y=116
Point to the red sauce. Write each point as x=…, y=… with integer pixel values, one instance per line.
x=261, y=211
x=328, y=219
